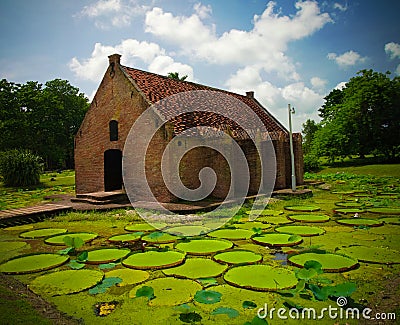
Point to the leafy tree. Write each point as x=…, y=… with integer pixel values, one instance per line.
x=309, y=129
x=175, y=75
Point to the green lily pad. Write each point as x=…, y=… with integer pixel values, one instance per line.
x=346, y=204
x=19, y=228
x=383, y=210
x=305, y=231
x=330, y=262
x=391, y=220
x=204, y=246
x=6, y=246
x=128, y=276
x=144, y=227
x=232, y=234
x=154, y=260
x=380, y=255
x=207, y=296
x=187, y=231
x=360, y=222
x=232, y=313
x=33, y=263
x=349, y=210
x=261, y=277
x=265, y=212
x=253, y=224
x=170, y=291
x=277, y=240
x=309, y=217
x=159, y=237
x=277, y=220
x=125, y=237
x=66, y=282
x=40, y=233
x=195, y=268
x=303, y=208
x=59, y=239
x=238, y=257
x=106, y=255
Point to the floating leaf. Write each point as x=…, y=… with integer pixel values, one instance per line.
x=82, y=257
x=207, y=282
x=306, y=274
x=145, y=291
x=107, y=266
x=104, y=285
x=128, y=276
x=74, y=242
x=232, y=313
x=249, y=304
x=75, y=265
x=342, y=289
x=33, y=263
x=207, y=296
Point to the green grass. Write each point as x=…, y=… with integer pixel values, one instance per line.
x=381, y=170
x=50, y=184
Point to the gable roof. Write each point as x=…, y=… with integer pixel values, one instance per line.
x=157, y=87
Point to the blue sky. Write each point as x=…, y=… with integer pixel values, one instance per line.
x=286, y=51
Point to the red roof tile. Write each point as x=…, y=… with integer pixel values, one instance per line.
x=156, y=87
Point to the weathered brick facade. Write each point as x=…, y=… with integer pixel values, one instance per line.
x=123, y=95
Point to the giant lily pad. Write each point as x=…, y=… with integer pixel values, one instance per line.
x=265, y=212
x=309, y=217
x=253, y=225
x=40, y=233
x=159, y=237
x=204, y=246
x=384, y=210
x=360, y=222
x=128, y=276
x=59, y=239
x=169, y=291
x=276, y=220
x=261, y=277
x=6, y=246
x=380, y=255
x=33, y=263
x=233, y=234
x=187, y=231
x=66, y=282
x=277, y=240
x=305, y=231
x=106, y=255
x=346, y=204
x=349, y=210
x=303, y=208
x=154, y=260
x=238, y=257
x=131, y=237
x=330, y=262
x=195, y=268
x=139, y=227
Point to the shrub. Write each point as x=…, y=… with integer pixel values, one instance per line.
x=20, y=168
x=311, y=163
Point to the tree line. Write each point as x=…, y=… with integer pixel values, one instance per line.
x=360, y=119
x=42, y=119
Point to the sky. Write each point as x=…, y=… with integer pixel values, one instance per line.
x=286, y=51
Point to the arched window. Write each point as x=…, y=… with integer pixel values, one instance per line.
x=113, y=130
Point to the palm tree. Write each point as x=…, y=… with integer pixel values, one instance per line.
x=175, y=75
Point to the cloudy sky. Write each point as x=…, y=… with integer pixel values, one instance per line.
x=287, y=51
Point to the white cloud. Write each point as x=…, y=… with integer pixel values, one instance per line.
x=393, y=50
x=318, y=83
x=264, y=45
x=113, y=13
x=340, y=85
x=339, y=6
x=202, y=11
x=346, y=59
x=133, y=53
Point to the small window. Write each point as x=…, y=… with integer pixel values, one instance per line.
x=113, y=130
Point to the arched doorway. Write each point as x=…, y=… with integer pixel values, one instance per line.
x=112, y=170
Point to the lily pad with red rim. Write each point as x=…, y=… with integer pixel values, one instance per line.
x=159, y=237
x=261, y=277
x=304, y=231
x=232, y=234
x=384, y=210
x=309, y=218
x=391, y=220
x=40, y=233
x=330, y=262
x=238, y=257
x=153, y=260
x=303, y=208
x=128, y=276
x=106, y=255
x=195, y=268
x=204, y=246
x=131, y=237
x=188, y=230
x=277, y=240
x=360, y=222
x=33, y=263
x=349, y=210
x=59, y=239
x=379, y=255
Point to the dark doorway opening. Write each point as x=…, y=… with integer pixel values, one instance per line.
x=112, y=170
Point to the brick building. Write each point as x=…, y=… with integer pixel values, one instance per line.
x=124, y=94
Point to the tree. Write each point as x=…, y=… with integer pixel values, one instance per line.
x=309, y=129
x=175, y=75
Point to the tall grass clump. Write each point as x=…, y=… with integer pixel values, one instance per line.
x=20, y=168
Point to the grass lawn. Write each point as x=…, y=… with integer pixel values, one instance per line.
x=176, y=294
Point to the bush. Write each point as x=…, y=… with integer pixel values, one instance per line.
x=311, y=163
x=20, y=168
